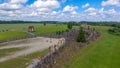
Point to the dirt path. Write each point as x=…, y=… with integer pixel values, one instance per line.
x=32, y=45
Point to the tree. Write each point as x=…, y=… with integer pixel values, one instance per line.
x=81, y=35
x=69, y=25
x=44, y=24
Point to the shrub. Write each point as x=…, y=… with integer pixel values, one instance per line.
x=81, y=35
x=70, y=25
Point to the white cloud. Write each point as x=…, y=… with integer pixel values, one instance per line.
x=12, y=4
x=92, y=14
x=45, y=10
x=55, y=12
x=33, y=14
x=101, y=13
x=63, y=1
x=101, y=10
x=86, y=5
x=18, y=1
x=111, y=3
x=9, y=6
x=112, y=11
x=73, y=12
x=70, y=8
x=90, y=10
x=46, y=4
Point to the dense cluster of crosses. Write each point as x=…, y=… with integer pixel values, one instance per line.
x=49, y=60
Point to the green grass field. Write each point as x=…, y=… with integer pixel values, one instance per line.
x=104, y=53
x=5, y=52
x=22, y=62
x=12, y=35
x=18, y=30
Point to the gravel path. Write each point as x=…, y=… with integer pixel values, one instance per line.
x=33, y=45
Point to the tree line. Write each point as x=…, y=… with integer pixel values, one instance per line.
x=61, y=22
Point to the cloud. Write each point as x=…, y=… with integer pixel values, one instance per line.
x=18, y=1
x=9, y=6
x=12, y=4
x=91, y=9
x=102, y=15
x=92, y=14
x=52, y=4
x=69, y=8
x=55, y=12
x=63, y=1
x=42, y=6
x=111, y=3
x=73, y=12
x=112, y=11
x=51, y=10
x=86, y=5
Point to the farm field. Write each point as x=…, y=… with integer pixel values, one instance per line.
x=104, y=53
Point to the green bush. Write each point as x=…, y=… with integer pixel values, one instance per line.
x=70, y=25
x=67, y=30
x=115, y=30
x=81, y=36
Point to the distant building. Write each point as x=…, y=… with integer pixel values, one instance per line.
x=84, y=24
x=31, y=29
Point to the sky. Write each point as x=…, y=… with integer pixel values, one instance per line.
x=60, y=10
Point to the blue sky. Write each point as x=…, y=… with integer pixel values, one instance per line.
x=60, y=10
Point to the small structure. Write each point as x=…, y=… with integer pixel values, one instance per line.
x=84, y=24
x=31, y=29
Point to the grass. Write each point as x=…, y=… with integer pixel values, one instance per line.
x=5, y=52
x=50, y=29
x=18, y=30
x=104, y=53
x=12, y=35
x=15, y=30
x=22, y=62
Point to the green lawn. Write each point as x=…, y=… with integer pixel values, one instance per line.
x=5, y=52
x=104, y=53
x=22, y=62
x=18, y=30
x=50, y=29
x=12, y=35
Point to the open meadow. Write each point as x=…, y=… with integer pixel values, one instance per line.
x=13, y=31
